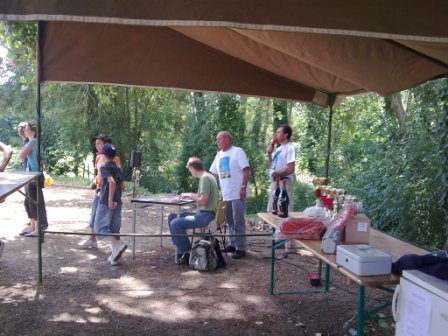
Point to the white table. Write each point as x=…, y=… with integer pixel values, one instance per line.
x=160, y=204
x=12, y=182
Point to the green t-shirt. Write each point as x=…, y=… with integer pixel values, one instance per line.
x=208, y=185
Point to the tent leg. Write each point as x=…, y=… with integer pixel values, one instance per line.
x=40, y=235
x=330, y=122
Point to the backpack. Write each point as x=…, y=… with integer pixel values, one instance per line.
x=203, y=254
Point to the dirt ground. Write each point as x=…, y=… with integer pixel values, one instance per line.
x=82, y=294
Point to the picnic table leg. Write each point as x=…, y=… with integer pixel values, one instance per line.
x=271, y=283
x=327, y=277
x=327, y=274
x=360, y=311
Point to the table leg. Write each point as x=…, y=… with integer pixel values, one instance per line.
x=134, y=225
x=161, y=224
x=271, y=283
x=327, y=277
x=360, y=311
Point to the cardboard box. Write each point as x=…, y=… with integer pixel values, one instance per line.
x=364, y=260
x=357, y=229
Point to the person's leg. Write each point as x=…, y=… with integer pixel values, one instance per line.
x=239, y=209
x=29, y=210
x=272, y=188
x=91, y=242
x=115, y=225
x=31, y=192
x=172, y=217
x=230, y=224
x=43, y=210
x=103, y=223
x=290, y=190
x=92, y=216
x=180, y=226
x=102, y=220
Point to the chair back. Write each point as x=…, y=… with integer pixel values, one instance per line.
x=220, y=216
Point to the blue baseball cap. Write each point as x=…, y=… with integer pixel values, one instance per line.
x=109, y=150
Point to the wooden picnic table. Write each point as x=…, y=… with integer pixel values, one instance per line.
x=380, y=240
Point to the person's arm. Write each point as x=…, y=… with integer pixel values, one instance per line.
x=7, y=153
x=24, y=152
x=201, y=199
x=246, y=173
x=110, y=197
x=290, y=168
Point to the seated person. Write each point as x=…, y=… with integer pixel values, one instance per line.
x=207, y=199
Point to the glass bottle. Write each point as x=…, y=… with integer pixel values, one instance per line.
x=275, y=198
x=284, y=201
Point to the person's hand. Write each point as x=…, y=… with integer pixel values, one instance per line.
x=269, y=149
x=188, y=195
x=275, y=177
x=112, y=205
x=242, y=193
x=93, y=185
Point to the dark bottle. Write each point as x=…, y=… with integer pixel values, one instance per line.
x=284, y=202
x=275, y=197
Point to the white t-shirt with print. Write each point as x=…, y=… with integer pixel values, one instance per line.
x=281, y=157
x=229, y=165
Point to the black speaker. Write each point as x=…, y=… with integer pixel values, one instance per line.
x=136, y=159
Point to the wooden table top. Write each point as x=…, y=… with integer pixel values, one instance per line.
x=382, y=241
x=162, y=200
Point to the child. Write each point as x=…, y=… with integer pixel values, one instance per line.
x=108, y=214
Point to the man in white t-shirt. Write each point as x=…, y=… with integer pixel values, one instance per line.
x=232, y=168
x=282, y=164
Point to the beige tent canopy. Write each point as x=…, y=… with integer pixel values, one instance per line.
x=290, y=49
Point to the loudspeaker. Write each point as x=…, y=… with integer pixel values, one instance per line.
x=136, y=159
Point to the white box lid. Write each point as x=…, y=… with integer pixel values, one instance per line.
x=435, y=285
x=363, y=253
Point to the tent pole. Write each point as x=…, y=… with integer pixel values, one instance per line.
x=331, y=99
x=40, y=239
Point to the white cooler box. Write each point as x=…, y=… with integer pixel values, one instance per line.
x=363, y=260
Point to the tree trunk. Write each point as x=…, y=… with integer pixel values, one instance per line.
x=400, y=113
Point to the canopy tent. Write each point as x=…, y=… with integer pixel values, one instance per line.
x=315, y=51
x=319, y=51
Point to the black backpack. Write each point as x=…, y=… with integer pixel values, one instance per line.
x=206, y=255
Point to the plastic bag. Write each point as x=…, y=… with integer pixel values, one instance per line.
x=341, y=219
x=48, y=181
x=300, y=228
x=315, y=212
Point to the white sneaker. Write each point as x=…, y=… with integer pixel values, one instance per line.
x=88, y=244
x=111, y=262
x=2, y=245
x=118, y=251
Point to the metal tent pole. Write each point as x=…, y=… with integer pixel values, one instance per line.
x=40, y=239
x=331, y=99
